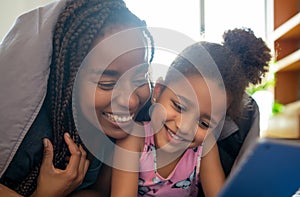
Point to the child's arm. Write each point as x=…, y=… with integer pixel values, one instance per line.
x=100, y=188
x=5, y=191
x=125, y=172
x=211, y=173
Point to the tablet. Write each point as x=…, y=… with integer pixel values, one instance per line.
x=271, y=168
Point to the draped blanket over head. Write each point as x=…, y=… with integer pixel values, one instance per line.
x=25, y=57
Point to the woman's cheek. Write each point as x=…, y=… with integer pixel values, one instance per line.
x=143, y=93
x=102, y=99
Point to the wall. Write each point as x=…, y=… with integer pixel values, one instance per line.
x=10, y=10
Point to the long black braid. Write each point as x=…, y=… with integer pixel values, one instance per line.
x=78, y=26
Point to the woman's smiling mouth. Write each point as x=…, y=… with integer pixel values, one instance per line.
x=118, y=118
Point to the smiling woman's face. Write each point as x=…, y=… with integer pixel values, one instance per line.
x=110, y=96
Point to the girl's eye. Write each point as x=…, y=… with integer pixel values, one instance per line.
x=179, y=107
x=106, y=85
x=204, y=125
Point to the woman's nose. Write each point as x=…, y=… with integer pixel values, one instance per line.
x=126, y=97
x=129, y=100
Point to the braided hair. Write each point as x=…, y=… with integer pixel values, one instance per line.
x=241, y=59
x=78, y=26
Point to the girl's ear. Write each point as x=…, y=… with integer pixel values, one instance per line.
x=157, y=90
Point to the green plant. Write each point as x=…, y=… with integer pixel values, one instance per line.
x=277, y=108
x=264, y=86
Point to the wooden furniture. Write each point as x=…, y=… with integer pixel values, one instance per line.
x=286, y=37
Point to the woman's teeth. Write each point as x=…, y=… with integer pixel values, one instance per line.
x=118, y=118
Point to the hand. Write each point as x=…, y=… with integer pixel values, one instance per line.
x=56, y=182
x=7, y=192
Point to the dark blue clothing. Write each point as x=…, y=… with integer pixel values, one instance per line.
x=30, y=153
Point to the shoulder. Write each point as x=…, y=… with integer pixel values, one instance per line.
x=242, y=124
x=132, y=142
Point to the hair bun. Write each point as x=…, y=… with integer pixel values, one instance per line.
x=252, y=52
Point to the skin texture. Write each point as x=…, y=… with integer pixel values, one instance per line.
x=119, y=90
x=186, y=110
x=72, y=175
x=5, y=191
x=62, y=182
x=182, y=118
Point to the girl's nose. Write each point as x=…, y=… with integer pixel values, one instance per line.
x=186, y=126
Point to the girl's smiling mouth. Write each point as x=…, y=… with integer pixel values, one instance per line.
x=173, y=137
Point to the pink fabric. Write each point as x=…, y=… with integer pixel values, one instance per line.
x=181, y=182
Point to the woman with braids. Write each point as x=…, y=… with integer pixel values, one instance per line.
x=41, y=151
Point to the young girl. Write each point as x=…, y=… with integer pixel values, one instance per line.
x=204, y=83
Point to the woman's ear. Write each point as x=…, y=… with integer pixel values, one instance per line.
x=157, y=90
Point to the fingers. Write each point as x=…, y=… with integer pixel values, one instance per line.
x=78, y=163
x=83, y=160
x=48, y=154
x=75, y=153
x=64, y=181
x=84, y=163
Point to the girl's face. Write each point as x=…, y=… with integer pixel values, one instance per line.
x=185, y=112
x=112, y=94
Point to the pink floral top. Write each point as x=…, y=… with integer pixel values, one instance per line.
x=182, y=181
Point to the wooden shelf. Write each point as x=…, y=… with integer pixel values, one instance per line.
x=289, y=29
x=286, y=38
x=287, y=87
x=284, y=10
x=288, y=63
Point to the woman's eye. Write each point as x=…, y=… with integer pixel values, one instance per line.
x=106, y=85
x=178, y=106
x=204, y=125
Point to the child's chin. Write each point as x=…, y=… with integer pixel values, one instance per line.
x=175, y=147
